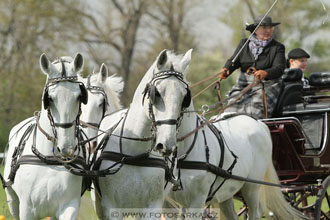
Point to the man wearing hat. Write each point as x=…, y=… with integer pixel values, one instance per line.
x=297, y=58
x=267, y=56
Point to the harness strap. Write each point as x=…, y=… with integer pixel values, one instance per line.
x=50, y=138
x=219, y=97
x=141, y=160
x=166, y=122
x=192, y=144
x=5, y=183
x=35, y=160
x=196, y=165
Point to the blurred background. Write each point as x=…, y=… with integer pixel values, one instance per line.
x=127, y=35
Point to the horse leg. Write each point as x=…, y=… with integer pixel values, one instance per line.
x=171, y=209
x=227, y=210
x=69, y=211
x=97, y=203
x=25, y=213
x=13, y=202
x=109, y=210
x=251, y=195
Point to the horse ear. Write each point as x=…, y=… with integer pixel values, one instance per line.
x=78, y=62
x=45, y=64
x=103, y=72
x=162, y=58
x=186, y=59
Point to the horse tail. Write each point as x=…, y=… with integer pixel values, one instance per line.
x=273, y=201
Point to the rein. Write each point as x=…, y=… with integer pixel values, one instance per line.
x=239, y=96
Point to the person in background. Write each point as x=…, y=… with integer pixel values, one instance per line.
x=297, y=58
x=267, y=56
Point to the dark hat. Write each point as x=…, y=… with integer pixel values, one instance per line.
x=297, y=53
x=266, y=22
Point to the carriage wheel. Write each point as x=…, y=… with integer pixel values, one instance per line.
x=322, y=204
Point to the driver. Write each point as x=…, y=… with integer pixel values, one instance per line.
x=267, y=56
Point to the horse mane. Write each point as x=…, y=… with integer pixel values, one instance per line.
x=113, y=86
x=65, y=58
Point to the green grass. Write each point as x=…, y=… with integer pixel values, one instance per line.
x=3, y=204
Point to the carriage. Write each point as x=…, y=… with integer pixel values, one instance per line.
x=300, y=134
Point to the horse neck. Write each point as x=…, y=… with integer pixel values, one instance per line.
x=113, y=103
x=44, y=121
x=188, y=124
x=137, y=123
x=41, y=141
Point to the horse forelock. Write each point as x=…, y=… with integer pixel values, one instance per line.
x=66, y=62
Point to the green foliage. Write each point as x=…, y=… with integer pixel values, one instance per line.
x=201, y=67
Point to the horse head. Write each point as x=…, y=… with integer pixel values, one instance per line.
x=168, y=94
x=103, y=95
x=62, y=99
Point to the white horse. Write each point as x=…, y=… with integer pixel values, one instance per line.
x=103, y=99
x=141, y=180
x=244, y=137
x=38, y=189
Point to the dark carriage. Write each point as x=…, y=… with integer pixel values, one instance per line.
x=300, y=133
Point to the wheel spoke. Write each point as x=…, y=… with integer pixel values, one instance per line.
x=325, y=215
x=328, y=199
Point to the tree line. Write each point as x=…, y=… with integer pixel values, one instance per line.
x=127, y=35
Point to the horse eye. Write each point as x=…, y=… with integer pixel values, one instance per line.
x=101, y=103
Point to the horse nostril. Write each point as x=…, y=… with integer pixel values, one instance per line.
x=58, y=150
x=159, y=146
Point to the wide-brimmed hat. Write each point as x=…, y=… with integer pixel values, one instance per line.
x=298, y=53
x=267, y=21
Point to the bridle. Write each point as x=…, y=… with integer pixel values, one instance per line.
x=96, y=90
x=46, y=102
x=151, y=92
x=94, y=125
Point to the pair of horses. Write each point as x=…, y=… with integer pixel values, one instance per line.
x=38, y=185
x=144, y=140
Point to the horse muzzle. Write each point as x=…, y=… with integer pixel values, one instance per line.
x=67, y=152
x=164, y=150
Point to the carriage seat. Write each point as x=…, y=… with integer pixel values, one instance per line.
x=319, y=79
x=291, y=91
